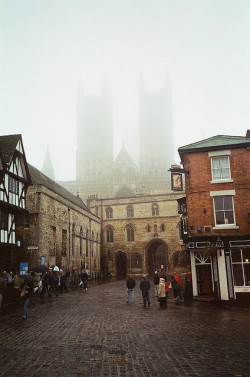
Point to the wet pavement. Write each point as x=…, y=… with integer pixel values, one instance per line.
x=97, y=334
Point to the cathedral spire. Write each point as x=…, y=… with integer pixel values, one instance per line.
x=47, y=166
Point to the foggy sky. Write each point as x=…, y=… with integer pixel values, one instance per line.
x=48, y=47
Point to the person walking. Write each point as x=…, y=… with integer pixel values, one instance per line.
x=145, y=287
x=175, y=288
x=156, y=282
x=84, y=279
x=27, y=291
x=179, y=282
x=162, y=295
x=131, y=290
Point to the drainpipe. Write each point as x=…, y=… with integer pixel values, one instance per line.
x=69, y=236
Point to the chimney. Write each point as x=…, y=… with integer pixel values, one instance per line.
x=248, y=133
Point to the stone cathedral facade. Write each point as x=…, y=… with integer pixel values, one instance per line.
x=138, y=212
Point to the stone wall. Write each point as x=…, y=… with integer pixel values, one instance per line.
x=60, y=231
x=151, y=233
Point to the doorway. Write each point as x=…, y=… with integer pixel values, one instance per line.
x=156, y=256
x=121, y=265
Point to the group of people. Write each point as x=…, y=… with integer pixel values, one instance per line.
x=162, y=288
x=51, y=281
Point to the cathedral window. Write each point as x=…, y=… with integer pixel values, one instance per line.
x=130, y=211
x=109, y=234
x=155, y=210
x=148, y=228
x=162, y=227
x=109, y=213
x=130, y=233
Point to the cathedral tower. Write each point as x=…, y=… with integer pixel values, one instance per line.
x=94, y=156
x=155, y=133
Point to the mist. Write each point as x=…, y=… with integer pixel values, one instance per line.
x=200, y=48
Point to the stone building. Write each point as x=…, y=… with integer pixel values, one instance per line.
x=59, y=229
x=139, y=233
x=98, y=175
x=217, y=215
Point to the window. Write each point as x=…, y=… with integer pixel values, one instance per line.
x=73, y=239
x=130, y=211
x=162, y=227
x=220, y=168
x=3, y=220
x=52, y=241
x=241, y=266
x=109, y=234
x=224, y=211
x=155, y=210
x=13, y=185
x=64, y=241
x=130, y=233
x=148, y=228
x=109, y=213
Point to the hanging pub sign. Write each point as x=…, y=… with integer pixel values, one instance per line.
x=176, y=181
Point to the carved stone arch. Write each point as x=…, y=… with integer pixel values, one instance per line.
x=156, y=255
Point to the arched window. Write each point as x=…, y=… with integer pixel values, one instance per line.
x=109, y=234
x=109, y=213
x=130, y=211
x=162, y=227
x=148, y=228
x=130, y=233
x=155, y=210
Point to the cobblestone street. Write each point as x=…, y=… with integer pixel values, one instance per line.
x=98, y=334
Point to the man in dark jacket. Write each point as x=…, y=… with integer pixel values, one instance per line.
x=145, y=287
x=131, y=290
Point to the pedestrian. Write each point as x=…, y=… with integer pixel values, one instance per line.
x=27, y=291
x=188, y=293
x=84, y=279
x=175, y=288
x=178, y=279
x=145, y=287
x=162, y=296
x=54, y=282
x=131, y=290
x=156, y=282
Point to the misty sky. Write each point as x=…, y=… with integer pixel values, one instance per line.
x=47, y=47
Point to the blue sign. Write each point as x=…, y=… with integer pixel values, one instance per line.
x=24, y=267
x=42, y=260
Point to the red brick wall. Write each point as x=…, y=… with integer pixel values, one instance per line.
x=198, y=187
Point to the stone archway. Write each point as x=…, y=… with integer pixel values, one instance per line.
x=156, y=256
x=121, y=264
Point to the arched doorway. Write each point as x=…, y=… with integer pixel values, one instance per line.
x=156, y=256
x=121, y=264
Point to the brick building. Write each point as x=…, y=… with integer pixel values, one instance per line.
x=216, y=217
x=139, y=233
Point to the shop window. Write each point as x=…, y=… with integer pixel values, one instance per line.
x=241, y=266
